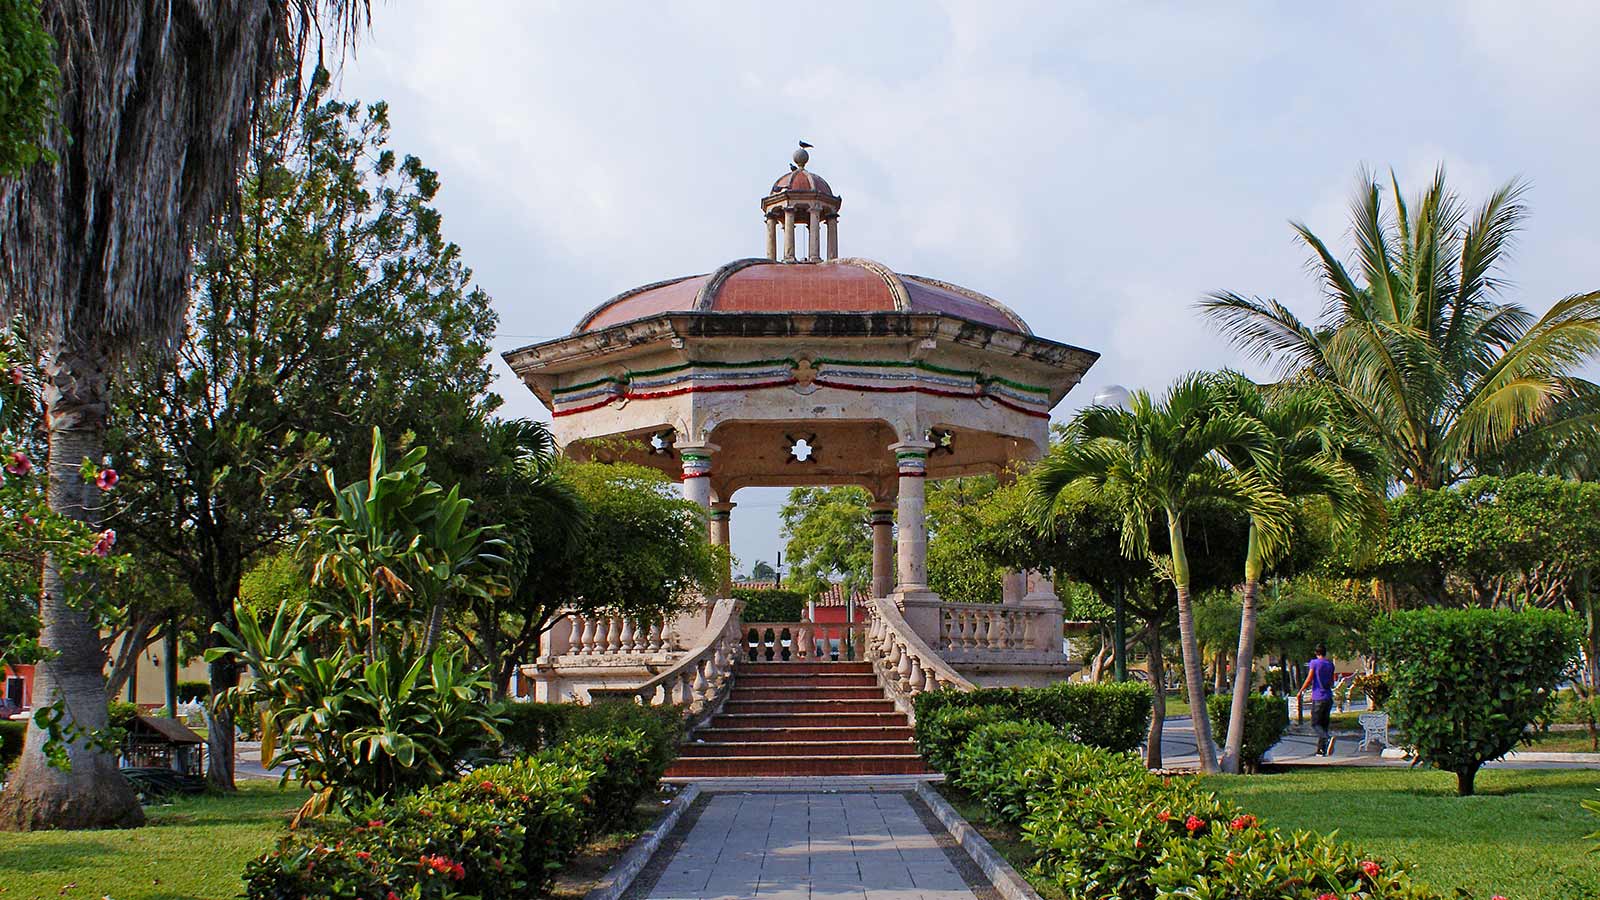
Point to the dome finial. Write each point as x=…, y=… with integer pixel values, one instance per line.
x=801, y=157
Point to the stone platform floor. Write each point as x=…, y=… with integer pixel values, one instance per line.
x=860, y=844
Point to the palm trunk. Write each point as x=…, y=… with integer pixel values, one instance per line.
x=1193, y=668
x=91, y=793
x=1248, y=613
x=1158, y=709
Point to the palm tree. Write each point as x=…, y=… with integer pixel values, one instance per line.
x=1310, y=457
x=155, y=104
x=1423, y=355
x=1163, y=458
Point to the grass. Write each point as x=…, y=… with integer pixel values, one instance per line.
x=1522, y=836
x=194, y=847
x=1562, y=742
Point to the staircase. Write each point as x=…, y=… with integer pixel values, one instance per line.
x=801, y=718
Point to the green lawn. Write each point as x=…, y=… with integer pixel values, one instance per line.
x=195, y=847
x=1522, y=836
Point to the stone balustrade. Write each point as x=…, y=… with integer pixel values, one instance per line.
x=598, y=635
x=905, y=664
x=698, y=680
x=802, y=641
x=986, y=626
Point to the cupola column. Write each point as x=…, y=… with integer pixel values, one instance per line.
x=772, y=238
x=696, y=459
x=721, y=514
x=911, y=458
x=882, y=549
x=833, y=237
x=788, y=234
x=814, y=236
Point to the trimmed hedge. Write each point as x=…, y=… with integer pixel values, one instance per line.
x=1109, y=716
x=190, y=691
x=502, y=831
x=770, y=605
x=941, y=733
x=1106, y=828
x=532, y=727
x=1265, y=721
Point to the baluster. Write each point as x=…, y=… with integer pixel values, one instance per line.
x=685, y=689
x=914, y=676
x=902, y=672
x=613, y=634
x=702, y=687
x=659, y=696
x=627, y=637
x=653, y=642
x=965, y=618
x=996, y=636
x=945, y=628
x=586, y=640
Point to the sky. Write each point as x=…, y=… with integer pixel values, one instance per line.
x=1097, y=167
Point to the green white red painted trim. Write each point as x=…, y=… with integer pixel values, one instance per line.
x=859, y=376
x=695, y=464
x=912, y=462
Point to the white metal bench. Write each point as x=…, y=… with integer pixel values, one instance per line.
x=1374, y=729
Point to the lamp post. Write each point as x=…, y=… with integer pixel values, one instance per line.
x=1117, y=397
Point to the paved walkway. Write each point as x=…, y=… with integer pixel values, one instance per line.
x=855, y=845
x=1299, y=748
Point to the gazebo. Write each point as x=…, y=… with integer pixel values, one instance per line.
x=808, y=368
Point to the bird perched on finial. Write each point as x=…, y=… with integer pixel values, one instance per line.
x=805, y=145
x=793, y=167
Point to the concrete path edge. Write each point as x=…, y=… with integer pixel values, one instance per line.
x=616, y=882
x=1006, y=881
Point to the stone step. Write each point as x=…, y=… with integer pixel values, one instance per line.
x=778, y=733
x=741, y=692
x=802, y=668
x=795, y=766
x=813, y=720
x=734, y=707
x=805, y=680
x=718, y=749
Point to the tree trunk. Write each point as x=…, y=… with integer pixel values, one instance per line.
x=1158, y=709
x=91, y=793
x=1464, y=782
x=1193, y=670
x=224, y=674
x=1249, y=611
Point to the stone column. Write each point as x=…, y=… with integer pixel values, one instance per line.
x=911, y=458
x=696, y=459
x=1045, y=633
x=882, y=549
x=833, y=237
x=772, y=238
x=814, y=236
x=788, y=235
x=721, y=514
x=1013, y=586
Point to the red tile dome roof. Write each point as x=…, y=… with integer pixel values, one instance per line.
x=836, y=286
x=801, y=180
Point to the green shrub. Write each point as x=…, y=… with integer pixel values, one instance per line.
x=1468, y=682
x=1265, y=721
x=1104, y=827
x=1110, y=716
x=120, y=714
x=532, y=727
x=12, y=735
x=774, y=605
x=1375, y=687
x=941, y=733
x=190, y=691
x=501, y=831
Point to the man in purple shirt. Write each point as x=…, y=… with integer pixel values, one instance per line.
x=1319, y=678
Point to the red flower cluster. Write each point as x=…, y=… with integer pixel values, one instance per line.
x=16, y=375
x=392, y=896
x=107, y=479
x=1164, y=816
x=1243, y=822
x=1371, y=868
x=20, y=464
x=103, y=544
x=375, y=823
x=1194, y=823
x=445, y=865
x=1327, y=896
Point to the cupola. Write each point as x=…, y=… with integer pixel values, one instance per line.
x=801, y=197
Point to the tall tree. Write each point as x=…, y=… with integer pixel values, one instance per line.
x=1309, y=458
x=334, y=272
x=1415, y=342
x=154, y=104
x=1162, y=457
x=829, y=534
x=28, y=77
